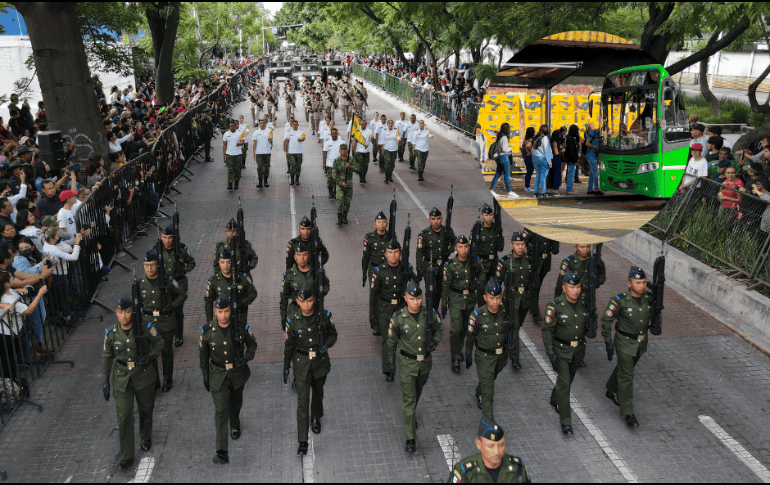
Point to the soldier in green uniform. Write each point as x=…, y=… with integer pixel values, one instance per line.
x=434, y=242
x=458, y=295
x=224, y=122
x=416, y=337
x=490, y=243
x=539, y=256
x=374, y=255
x=132, y=376
x=248, y=258
x=177, y=264
x=293, y=279
x=564, y=337
x=488, y=330
x=632, y=311
x=491, y=464
x=223, y=375
x=386, y=294
x=522, y=270
x=311, y=361
x=305, y=232
x=343, y=177
x=220, y=283
x=207, y=132
x=160, y=299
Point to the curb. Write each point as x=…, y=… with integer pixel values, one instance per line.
x=740, y=309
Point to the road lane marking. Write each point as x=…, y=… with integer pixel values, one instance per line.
x=411, y=194
x=448, y=446
x=308, y=461
x=738, y=450
x=144, y=471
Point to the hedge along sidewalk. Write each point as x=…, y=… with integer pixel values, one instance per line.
x=742, y=310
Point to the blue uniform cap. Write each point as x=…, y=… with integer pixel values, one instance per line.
x=222, y=302
x=125, y=303
x=493, y=287
x=413, y=289
x=517, y=236
x=636, y=273
x=571, y=278
x=489, y=429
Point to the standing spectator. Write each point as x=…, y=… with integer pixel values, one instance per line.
x=696, y=167
x=554, y=173
x=526, y=153
x=66, y=215
x=730, y=195
x=592, y=157
x=542, y=157
x=711, y=190
x=715, y=130
x=54, y=248
x=504, y=163
x=696, y=136
x=571, y=154
x=713, y=146
x=755, y=176
x=763, y=194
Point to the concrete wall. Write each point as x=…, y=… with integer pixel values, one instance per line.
x=744, y=311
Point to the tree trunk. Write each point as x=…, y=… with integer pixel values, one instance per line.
x=163, y=28
x=65, y=78
x=656, y=43
x=705, y=90
x=457, y=58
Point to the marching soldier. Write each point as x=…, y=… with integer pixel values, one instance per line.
x=207, y=132
x=301, y=272
x=490, y=242
x=401, y=127
x=539, y=257
x=458, y=295
x=248, y=258
x=347, y=100
x=564, y=337
x=331, y=151
x=374, y=255
x=407, y=135
x=388, y=139
x=361, y=153
x=419, y=149
x=292, y=146
x=254, y=98
x=305, y=233
x=177, y=264
x=491, y=464
x=632, y=311
x=272, y=101
x=360, y=98
x=224, y=122
x=263, y=147
x=375, y=126
x=132, y=377
x=328, y=103
x=289, y=99
x=522, y=270
x=432, y=244
x=488, y=330
x=243, y=129
x=232, y=154
x=221, y=282
x=386, y=294
x=343, y=177
x=160, y=299
x=311, y=362
x=223, y=374
x=316, y=113
x=416, y=336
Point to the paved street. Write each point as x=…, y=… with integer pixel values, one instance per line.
x=698, y=382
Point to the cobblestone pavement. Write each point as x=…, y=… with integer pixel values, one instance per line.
x=696, y=368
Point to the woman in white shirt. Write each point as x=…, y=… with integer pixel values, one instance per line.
x=388, y=141
x=11, y=325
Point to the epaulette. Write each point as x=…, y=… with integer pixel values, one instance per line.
x=320, y=240
x=170, y=278
x=284, y=273
x=106, y=331
x=248, y=242
x=377, y=268
x=516, y=460
x=246, y=327
x=422, y=232
x=617, y=296
x=149, y=324
x=466, y=467
x=476, y=313
x=211, y=278
x=184, y=246
x=553, y=302
x=244, y=274
x=205, y=328
x=447, y=262
x=328, y=313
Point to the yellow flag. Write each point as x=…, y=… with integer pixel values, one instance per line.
x=355, y=130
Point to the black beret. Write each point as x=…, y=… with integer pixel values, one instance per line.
x=435, y=212
x=393, y=244
x=305, y=222
x=490, y=430
x=222, y=302
x=306, y=290
x=125, y=303
x=225, y=254
x=571, y=278
x=485, y=209
x=413, y=289
x=381, y=216
x=151, y=255
x=231, y=225
x=517, y=236
x=301, y=248
x=462, y=240
x=168, y=231
x=636, y=273
x=493, y=287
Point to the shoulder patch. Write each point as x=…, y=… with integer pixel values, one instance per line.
x=184, y=246
x=466, y=467
x=106, y=331
x=205, y=328
x=246, y=327
x=553, y=302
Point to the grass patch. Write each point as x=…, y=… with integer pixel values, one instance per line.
x=731, y=111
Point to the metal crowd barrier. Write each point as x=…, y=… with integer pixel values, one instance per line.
x=460, y=113
x=725, y=236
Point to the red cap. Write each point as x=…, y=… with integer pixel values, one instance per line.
x=697, y=146
x=66, y=194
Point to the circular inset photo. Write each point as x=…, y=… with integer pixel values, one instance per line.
x=586, y=137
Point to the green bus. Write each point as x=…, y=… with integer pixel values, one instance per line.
x=644, y=132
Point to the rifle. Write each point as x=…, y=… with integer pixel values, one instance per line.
x=658, y=283
x=235, y=319
x=241, y=237
x=448, y=244
x=593, y=266
x=161, y=271
x=315, y=241
x=510, y=295
x=175, y=228
x=498, y=225
x=407, y=238
x=537, y=259
x=392, y=222
x=319, y=280
x=136, y=295
x=429, y=283
x=474, y=252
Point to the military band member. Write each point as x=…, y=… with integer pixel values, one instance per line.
x=244, y=257
x=301, y=272
x=434, y=242
x=491, y=464
x=177, y=264
x=416, y=337
x=305, y=233
x=546, y=248
x=488, y=331
x=374, y=255
x=133, y=377
x=232, y=154
x=343, y=177
x=490, y=243
x=458, y=295
x=292, y=146
x=564, y=337
x=263, y=147
x=361, y=153
x=386, y=294
x=221, y=282
x=243, y=129
x=632, y=312
x=522, y=270
x=223, y=375
x=160, y=299
x=310, y=357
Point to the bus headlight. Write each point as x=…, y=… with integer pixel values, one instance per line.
x=647, y=167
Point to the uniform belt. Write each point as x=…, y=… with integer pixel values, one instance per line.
x=311, y=353
x=639, y=337
x=435, y=261
x=570, y=343
x=130, y=365
x=461, y=292
x=487, y=256
x=491, y=352
x=415, y=357
x=391, y=301
x=222, y=366
x=155, y=313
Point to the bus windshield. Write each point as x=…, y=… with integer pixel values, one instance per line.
x=629, y=117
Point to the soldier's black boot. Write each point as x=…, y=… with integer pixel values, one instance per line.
x=259, y=185
x=537, y=319
x=566, y=429
x=631, y=420
x=291, y=180
x=302, y=450
x=167, y=385
x=411, y=165
x=612, y=397
x=582, y=364
x=235, y=433
x=235, y=186
x=410, y=446
x=345, y=217
x=296, y=180
x=146, y=445
x=339, y=219
x=420, y=178
x=229, y=186
x=221, y=457
x=265, y=182
x=315, y=425
x=124, y=464
x=331, y=193
x=478, y=400
x=515, y=364
x=456, y=366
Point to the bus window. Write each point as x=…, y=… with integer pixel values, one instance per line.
x=629, y=119
x=676, y=128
